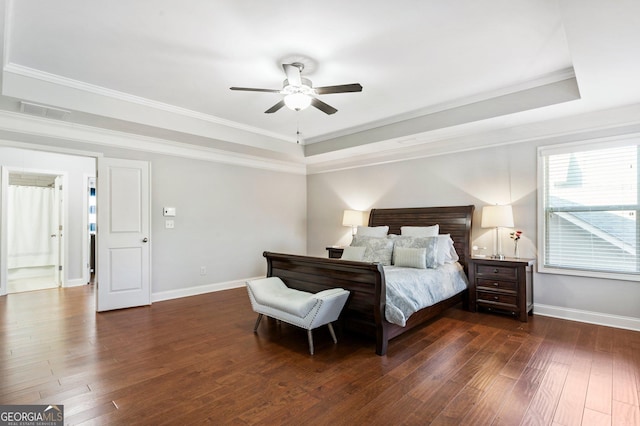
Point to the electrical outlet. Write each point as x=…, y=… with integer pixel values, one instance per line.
x=169, y=224
x=203, y=270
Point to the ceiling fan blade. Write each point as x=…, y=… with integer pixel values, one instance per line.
x=293, y=74
x=326, y=108
x=275, y=108
x=343, y=88
x=251, y=89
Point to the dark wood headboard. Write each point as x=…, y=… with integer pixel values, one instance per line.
x=454, y=220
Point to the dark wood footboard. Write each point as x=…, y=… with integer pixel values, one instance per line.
x=364, y=311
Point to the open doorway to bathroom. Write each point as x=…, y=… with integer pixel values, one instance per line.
x=35, y=214
x=72, y=204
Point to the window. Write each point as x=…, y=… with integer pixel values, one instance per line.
x=589, y=199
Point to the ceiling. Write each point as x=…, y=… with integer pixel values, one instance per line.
x=433, y=72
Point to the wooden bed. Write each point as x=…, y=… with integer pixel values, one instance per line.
x=365, y=309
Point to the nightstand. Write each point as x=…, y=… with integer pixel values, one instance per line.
x=335, y=252
x=502, y=285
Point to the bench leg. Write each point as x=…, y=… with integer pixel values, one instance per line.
x=310, y=338
x=333, y=334
x=255, y=328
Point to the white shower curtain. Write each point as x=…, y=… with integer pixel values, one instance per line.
x=31, y=222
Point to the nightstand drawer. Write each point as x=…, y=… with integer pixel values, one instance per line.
x=503, y=271
x=482, y=283
x=506, y=299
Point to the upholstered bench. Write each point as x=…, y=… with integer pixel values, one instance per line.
x=271, y=297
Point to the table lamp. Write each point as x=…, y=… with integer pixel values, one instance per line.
x=352, y=218
x=497, y=217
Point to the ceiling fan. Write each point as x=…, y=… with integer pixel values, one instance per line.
x=299, y=93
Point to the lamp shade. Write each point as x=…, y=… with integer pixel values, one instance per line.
x=497, y=216
x=352, y=218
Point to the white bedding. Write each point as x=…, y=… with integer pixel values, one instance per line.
x=411, y=289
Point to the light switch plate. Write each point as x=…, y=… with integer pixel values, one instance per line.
x=169, y=211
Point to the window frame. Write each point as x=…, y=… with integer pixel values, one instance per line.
x=567, y=148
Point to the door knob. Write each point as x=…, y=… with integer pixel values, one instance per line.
x=145, y=239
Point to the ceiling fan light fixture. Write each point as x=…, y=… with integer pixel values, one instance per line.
x=297, y=101
x=298, y=92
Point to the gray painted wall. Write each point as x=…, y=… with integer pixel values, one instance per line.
x=226, y=216
x=496, y=175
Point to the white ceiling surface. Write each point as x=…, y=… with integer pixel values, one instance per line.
x=431, y=70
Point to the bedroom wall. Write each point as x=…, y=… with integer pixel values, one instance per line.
x=497, y=175
x=227, y=215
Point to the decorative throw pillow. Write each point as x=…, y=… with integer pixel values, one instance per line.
x=353, y=253
x=410, y=257
x=446, y=252
x=376, y=249
x=372, y=231
x=420, y=231
x=428, y=243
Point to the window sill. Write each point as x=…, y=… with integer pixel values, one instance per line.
x=590, y=274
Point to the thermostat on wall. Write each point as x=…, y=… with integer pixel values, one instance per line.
x=169, y=211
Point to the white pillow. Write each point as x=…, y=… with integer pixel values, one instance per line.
x=353, y=253
x=420, y=231
x=410, y=257
x=446, y=252
x=372, y=231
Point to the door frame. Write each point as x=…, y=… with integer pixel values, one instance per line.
x=86, y=234
x=4, y=180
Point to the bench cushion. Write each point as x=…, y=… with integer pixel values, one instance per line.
x=274, y=293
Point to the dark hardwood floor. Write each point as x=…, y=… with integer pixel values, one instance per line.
x=196, y=360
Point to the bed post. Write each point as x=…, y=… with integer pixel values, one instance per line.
x=382, y=336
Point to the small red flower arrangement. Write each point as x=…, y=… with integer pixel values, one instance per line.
x=515, y=235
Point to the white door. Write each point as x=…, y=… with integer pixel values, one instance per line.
x=123, y=267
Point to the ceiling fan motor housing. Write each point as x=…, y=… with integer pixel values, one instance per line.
x=306, y=87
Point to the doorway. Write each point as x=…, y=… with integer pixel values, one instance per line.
x=74, y=169
x=121, y=261
x=35, y=215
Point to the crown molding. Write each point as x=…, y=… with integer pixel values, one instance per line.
x=64, y=131
x=561, y=75
x=580, y=127
x=28, y=72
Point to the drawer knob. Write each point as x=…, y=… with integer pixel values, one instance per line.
x=495, y=284
x=495, y=271
x=495, y=297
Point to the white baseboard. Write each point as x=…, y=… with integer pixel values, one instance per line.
x=74, y=283
x=201, y=289
x=627, y=323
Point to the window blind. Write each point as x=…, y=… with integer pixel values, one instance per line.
x=590, y=207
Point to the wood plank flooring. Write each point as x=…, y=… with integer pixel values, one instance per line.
x=196, y=360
